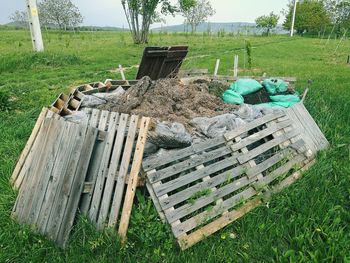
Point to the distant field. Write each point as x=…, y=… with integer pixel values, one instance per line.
x=310, y=221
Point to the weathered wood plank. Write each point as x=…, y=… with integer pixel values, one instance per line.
x=52, y=153
x=100, y=179
x=193, y=176
x=60, y=168
x=112, y=171
x=134, y=173
x=266, y=146
x=188, y=164
x=255, y=137
x=28, y=146
x=77, y=186
x=151, y=164
x=40, y=168
x=193, y=238
x=210, y=183
x=98, y=120
x=218, y=209
x=29, y=176
x=123, y=171
x=251, y=125
x=62, y=196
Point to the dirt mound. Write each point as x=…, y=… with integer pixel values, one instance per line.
x=169, y=100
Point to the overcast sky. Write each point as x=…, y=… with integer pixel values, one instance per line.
x=110, y=12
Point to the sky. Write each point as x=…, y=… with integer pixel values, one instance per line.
x=110, y=12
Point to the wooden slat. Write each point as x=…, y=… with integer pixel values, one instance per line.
x=63, y=193
x=124, y=167
x=98, y=120
x=189, y=164
x=41, y=186
x=37, y=172
x=100, y=180
x=266, y=146
x=112, y=171
x=194, y=149
x=193, y=238
x=60, y=168
x=221, y=192
x=77, y=186
x=193, y=176
x=198, y=235
x=212, y=182
x=218, y=209
x=27, y=171
x=251, y=125
x=255, y=137
x=135, y=169
x=28, y=145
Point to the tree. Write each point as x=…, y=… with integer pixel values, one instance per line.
x=311, y=16
x=140, y=14
x=61, y=13
x=198, y=13
x=267, y=22
x=340, y=13
x=20, y=18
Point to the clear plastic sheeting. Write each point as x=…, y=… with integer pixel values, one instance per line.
x=91, y=101
x=217, y=126
x=110, y=96
x=77, y=117
x=169, y=135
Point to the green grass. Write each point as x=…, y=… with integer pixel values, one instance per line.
x=309, y=221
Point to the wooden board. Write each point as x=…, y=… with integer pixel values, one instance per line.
x=27, y=154
x=200, y=189
x=48, y=199
x=311, y=133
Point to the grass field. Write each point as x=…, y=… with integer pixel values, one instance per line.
x=308, y=222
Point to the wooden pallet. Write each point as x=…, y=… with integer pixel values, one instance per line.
x=117, y=157
x=49, y=197
x=200, y=189
x=115, y=160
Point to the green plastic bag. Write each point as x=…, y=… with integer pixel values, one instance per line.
x=245, y=86
x=274, y=86
x=232, y=97
x=284, y=101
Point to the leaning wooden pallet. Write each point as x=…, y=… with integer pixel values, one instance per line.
x=204, y=187
x=51, y=189
x=118, y=156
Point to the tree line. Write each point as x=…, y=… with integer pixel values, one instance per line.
x=312, y=16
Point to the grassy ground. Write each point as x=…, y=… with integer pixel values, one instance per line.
x=307, y=222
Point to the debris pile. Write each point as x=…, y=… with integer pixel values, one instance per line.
x=169, y=100
x=219, y=160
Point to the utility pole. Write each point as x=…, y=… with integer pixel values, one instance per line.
x=34, y=24
x=293, y=19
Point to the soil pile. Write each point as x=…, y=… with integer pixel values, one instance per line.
x=169, y=100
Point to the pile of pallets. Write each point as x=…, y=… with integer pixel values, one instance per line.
x=66, y=165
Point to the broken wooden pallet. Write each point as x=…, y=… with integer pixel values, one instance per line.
x=200, y=189
x=49, y=197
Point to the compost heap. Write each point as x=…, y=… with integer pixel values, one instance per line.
x=169, y=100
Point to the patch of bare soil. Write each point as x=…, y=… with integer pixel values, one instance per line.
x=169, y=100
